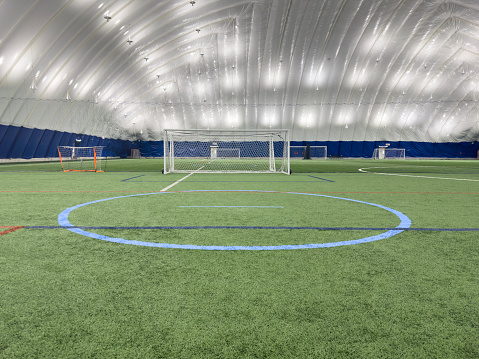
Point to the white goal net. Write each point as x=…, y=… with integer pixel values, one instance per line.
x=383, y=153
x=81, y=159
x=227, y=151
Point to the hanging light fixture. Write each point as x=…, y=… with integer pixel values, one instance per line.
x=107, y=17
x=33, y=86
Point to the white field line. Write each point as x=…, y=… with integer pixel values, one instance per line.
x=174, y=184
x=181, y=179
x=415, y=176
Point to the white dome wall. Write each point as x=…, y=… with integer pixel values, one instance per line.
x=328, y=70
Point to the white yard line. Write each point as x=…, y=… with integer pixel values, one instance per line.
x=414, y=176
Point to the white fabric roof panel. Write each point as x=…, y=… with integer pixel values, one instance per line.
x=337, y=70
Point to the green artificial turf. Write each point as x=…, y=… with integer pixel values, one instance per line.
x=414, y=295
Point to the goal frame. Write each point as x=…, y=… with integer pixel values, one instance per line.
x=69, y=156
x=381, y=153
x=276, y=140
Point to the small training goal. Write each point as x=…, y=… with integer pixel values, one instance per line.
x=81, y=159
x=384, y=153
x=226, y=151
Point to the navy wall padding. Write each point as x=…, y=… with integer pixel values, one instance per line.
x=32, y=145
x=8, y=140
x=413, y=149
x=149, y=148
x=21, y=142
x=27, y=143
x=42, y=148
x=19, y=145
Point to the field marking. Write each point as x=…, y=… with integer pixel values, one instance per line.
x=405, y=222
x=409, y=229
x=174, y=184
x=125, y=180
x=331, y=192
x=230, y=206
x=414, y=176
x=10, y=229
x=322, y=179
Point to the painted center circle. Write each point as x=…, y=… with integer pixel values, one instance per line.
x=405, y=223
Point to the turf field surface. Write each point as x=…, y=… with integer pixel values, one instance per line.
x=412, y=295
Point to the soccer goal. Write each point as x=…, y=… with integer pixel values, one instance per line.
x=227, y=151
x=320, y=152
x=81, y=159
x=383, y=153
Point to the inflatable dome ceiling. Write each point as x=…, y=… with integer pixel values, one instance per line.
x=327, y=70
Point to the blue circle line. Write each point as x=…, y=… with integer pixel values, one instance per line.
x=64, y=222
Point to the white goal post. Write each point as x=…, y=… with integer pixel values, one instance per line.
x=384, y=153
x=314, y=151
x=81, y=159
x=226, y=151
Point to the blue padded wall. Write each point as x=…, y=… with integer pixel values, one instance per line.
x=413, y=149
x=27, y=143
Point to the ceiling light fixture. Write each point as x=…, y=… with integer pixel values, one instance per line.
x=129, y=41
x=107, y=17
x=198, y=30
x=192, y=2
x=33, y=86
x=146, y=59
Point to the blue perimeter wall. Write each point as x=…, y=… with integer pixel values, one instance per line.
x=27, y=143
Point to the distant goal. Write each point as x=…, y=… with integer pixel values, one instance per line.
x=384, y=153
x=81, y=159
x=226, y=151
x=319, y=152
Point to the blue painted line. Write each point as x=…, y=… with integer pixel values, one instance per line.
x=405, y=223
x=128, y=179
x=322, y=179
x=232, y=181
x=263, y=227
x=231, y=207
